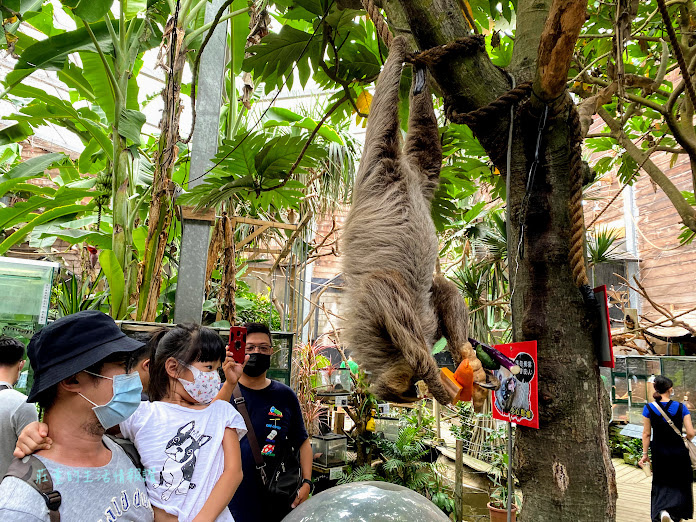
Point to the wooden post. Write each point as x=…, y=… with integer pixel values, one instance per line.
x=436, y=414
x=339, y=422
x=458, y=476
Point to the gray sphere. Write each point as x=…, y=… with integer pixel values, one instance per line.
x=367, y=502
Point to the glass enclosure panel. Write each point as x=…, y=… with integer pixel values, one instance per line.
x=620, y=412
x=620, y=388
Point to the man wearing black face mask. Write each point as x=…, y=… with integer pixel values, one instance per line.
x=278, y=425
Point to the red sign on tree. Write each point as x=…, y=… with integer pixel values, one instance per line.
x=517, y=399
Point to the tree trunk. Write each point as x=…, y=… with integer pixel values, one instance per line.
x=149, y=280
x=564, y=468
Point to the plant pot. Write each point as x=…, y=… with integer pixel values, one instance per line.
x=630, y=459
x=500, y=515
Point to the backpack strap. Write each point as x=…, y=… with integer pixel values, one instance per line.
x=129, y=448
x=669, y=421
x=240, y=404
x=4, y=387
x=32, y=471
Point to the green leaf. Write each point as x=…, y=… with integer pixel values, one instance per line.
x=274, y=57
x=94, y=10
x=117, y=282
x=295, y=120
x=601, y=144
x=42, y=19
x=243, y=304
x=51, y=53
x=63, y=114
x=316, y=7
x=95, y=73
x=603, y=165
x=280, y=153
x=33, y=166
x=39, y=219
x=239, y=30
x=73, y=76
x=474, y=211
x=130, y=124
x=134, y=7
x=628, y=168
x=15, y=133
x=282, y=114
x=85, y=161
x=439, y=346
x=22, y=212
x=139, y=239
x=73, y=236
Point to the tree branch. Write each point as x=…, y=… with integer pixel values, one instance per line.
x=556, y=47
x=631, y=97
x=686, y=212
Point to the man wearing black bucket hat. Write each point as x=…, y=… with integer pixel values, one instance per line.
x=81, y=382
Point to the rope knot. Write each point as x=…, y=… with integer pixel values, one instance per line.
x=464, y=46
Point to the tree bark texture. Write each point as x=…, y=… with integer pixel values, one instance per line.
x=564, y=468
x=173, y=53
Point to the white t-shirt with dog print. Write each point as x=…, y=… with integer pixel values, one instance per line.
x=181, y=451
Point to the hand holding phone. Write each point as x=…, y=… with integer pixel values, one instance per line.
x=237, y=343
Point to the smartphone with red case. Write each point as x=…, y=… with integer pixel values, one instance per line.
x=237, y=343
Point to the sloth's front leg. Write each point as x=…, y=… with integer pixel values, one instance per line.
x=453, y=323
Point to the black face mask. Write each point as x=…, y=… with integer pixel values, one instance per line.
x=257, y=364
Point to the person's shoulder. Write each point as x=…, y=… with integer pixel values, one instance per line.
x=281, y=388
x=124, y=452
x=220, y=406
x=20, y=502
x=14, y=398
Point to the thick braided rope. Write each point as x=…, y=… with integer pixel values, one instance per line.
x=577, y=216
x=377, y=19
x=494, y=108
x=464, y=46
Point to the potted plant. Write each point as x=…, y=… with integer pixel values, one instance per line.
x=632, y=451
x=498, y=473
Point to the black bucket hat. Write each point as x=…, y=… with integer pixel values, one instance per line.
x=71, y=344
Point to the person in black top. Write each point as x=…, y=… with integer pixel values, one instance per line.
x=278, y=424
x=671, y=497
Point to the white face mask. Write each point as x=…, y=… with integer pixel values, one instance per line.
x=205, y=385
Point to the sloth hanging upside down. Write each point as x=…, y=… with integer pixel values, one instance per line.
x=396, y=308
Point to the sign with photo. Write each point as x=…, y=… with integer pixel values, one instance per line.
x=517, y=398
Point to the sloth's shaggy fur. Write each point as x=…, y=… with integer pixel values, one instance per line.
x=396, y=308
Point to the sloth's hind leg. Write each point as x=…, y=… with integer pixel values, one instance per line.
x=423, y=146
x=389, y=305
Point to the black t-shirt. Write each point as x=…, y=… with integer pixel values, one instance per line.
x=277, y=419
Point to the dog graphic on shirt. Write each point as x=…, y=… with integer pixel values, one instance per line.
x=182, y=452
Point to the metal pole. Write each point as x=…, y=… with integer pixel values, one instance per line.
x=458, y=477
x=510, y=482
x=195, y=234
